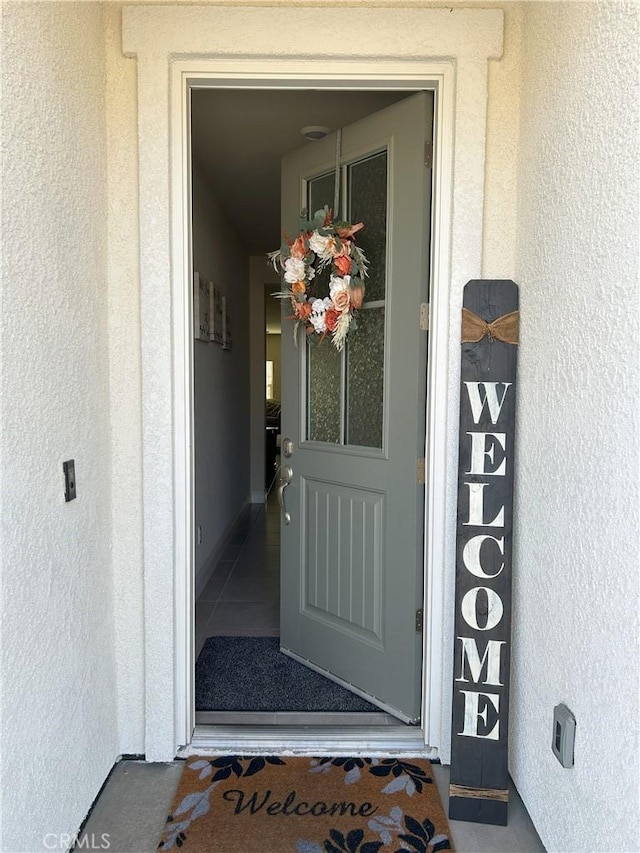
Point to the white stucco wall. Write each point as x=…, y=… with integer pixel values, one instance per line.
x=576, y=534
x=221, y=382
x=59, y=724
x=125, y=384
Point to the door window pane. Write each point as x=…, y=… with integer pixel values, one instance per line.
x=365, y=380
x=345, y=391
x=320, y=192
x=324, y=370
x=367, y=202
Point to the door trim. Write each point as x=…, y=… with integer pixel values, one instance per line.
x=177, y=44
x=438, y=78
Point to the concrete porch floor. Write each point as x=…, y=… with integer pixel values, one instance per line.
x=135, y=802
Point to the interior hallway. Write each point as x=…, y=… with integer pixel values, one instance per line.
x=242, y=596
x=135, y=802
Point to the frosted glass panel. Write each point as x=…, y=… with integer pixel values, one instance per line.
x=350, y=411
x=320, y=192
x=323, y=389
x=368, y=203
x=365, y=380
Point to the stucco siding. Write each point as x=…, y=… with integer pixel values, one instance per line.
x=59, y=729
x=576, y=534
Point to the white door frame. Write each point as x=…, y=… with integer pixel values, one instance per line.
x=162, y=37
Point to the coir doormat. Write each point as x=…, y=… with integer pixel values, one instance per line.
x=306, y=805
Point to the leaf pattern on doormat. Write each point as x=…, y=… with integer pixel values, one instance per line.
x=223, y=768
x=352, y=766
x=387, y=825
x=410, y=777
x=338, y=842
x=418, y=838
x=199, y=805
x=421, y=837
x=406, y=777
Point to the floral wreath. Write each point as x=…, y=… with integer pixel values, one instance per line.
x=320, y=243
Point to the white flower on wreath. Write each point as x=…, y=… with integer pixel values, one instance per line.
x=295, y=269
x=337, y=283
x=322, y=246
x=339, y=292
x=318, y=312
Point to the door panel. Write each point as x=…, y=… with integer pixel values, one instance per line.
x=343, y=582
x=352, y=565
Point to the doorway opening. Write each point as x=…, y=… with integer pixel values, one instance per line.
x=236, y=220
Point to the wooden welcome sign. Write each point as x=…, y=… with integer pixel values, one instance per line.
x=479, y=776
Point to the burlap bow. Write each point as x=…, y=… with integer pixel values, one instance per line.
x=505, y=328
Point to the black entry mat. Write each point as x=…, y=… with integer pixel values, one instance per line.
x=252, y=674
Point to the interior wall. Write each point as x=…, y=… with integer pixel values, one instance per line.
x=59, y=715
x=576, y=562
x=221, y=391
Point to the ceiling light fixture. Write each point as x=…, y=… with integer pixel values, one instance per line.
x=313, y=132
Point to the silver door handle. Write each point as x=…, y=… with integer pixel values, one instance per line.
x=286, y=476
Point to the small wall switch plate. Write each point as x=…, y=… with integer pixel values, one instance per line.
x=69, y=468
x=564, y=735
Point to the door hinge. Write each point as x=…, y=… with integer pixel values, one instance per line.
x=424, y=316
x=428, y=154
x=419, y=620
x=421, y=471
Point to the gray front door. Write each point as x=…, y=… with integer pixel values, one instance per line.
x=352, y=554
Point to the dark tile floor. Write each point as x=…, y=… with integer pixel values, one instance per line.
x=242, y=597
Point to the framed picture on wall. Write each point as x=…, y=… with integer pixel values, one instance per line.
x=215, y=315
x=226, y=325
x=201, y=307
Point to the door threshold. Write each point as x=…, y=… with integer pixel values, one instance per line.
x=371, y=741
x=296, y=718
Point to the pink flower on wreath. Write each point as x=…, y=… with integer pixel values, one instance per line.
x=331, y=319
x=298, y=248
x=302, y=310
x=342, y=264
x=357, y=295
x=341, y=300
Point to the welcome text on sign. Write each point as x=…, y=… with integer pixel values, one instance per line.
x=482, y=607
